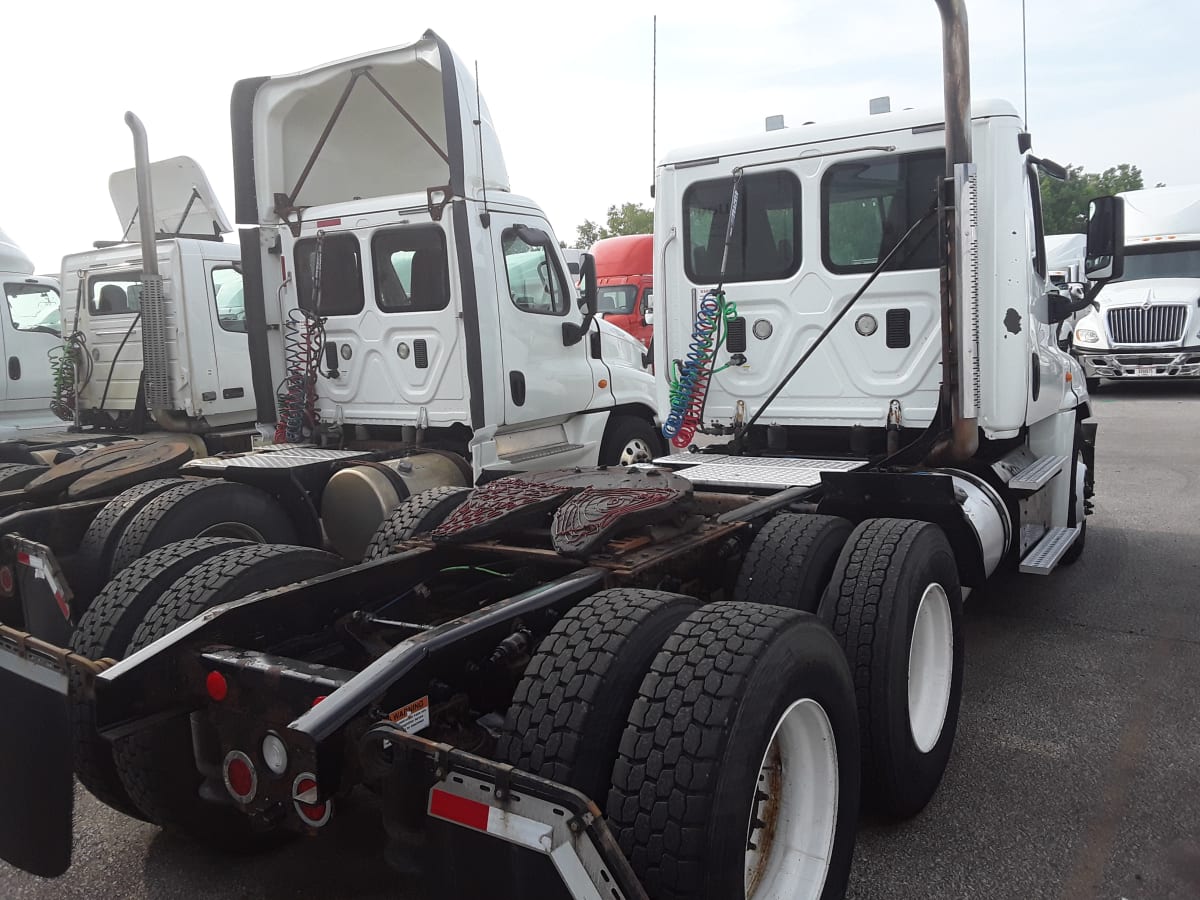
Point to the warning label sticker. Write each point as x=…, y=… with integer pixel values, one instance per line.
x=412, y=718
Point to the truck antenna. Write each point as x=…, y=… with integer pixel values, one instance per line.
x=1024, y=66
x=485, y=217
x=653, y=104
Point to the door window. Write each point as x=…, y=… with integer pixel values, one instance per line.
x=341, y=275
x=230, y=298
x=411, y=273
x=115, y=293
x=34, y=307
x=868, y=205
x=534, y=282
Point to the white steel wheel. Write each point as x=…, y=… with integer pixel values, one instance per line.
x=794, y=809
x=636, y=450
x=930, y=668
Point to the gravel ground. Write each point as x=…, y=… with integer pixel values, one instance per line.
x=1076, y=773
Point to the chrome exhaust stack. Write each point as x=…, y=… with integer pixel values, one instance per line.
x=153, y=301
x=960, y=276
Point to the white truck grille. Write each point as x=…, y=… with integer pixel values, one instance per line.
x=1159, y=324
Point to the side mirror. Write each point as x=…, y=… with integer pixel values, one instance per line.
x=534, y=237
x=648, y=308
x=1105, y=256
x=588, y=301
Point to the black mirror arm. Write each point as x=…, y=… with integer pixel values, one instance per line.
x=573, y=334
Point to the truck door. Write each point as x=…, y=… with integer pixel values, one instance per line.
x=227, y=303
x=32, y=327
x=543, y=376
x=393, y=323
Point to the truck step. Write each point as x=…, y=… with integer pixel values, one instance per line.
x=1037, y=474
x=521, y=456
x=1046, y=553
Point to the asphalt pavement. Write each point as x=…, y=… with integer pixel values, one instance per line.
x=1076, y=772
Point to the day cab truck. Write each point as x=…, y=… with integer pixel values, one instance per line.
x=1147, y=323
x=411, y=348
x=29, y=337
x=624, y=273
x=679, y=679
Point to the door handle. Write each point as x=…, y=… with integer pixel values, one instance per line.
x=14, y=369
x=516, y=385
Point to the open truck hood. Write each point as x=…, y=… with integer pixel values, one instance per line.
x=392, y=122
x=184, y=203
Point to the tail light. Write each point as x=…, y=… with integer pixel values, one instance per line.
x=7, y=584
x=241, y=780
x=304, y=799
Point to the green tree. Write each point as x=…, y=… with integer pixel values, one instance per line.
x=628, y=218
x=1065, y=203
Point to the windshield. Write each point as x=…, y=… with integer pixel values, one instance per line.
x=1178, y=261
x=33, y=307
x=617, y=298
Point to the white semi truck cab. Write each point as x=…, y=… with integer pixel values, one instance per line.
x=1147, y=324
x=420, y=299
x=29, y=337
x=202, y=358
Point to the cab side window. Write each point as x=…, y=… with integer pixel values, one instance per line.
x=33, y=307
x=341, y=275
x=411, y=272
x=230, y=298
x=535, y=283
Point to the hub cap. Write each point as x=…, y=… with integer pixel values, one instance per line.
x=794, y=808
x=637, y=450
x=930, y=668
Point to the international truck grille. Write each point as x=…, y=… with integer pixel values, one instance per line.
x=1156, y=325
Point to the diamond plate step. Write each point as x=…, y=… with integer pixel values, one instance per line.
x=1046, y=553
x=1035, y=476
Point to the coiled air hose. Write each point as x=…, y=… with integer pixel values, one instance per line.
x=303, y=343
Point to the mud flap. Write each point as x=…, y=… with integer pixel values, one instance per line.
x=35, y=767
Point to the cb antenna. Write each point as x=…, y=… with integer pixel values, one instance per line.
x=653, y=105
x=1024, y=66
x=485, y=217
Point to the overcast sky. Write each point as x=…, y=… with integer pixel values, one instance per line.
x=569, y=85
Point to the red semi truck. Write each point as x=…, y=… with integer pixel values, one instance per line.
x=624, y=267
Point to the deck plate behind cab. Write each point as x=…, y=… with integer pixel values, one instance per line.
x=590, y=506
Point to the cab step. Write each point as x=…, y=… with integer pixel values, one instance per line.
x=1046, y=553
x=521, y=456
x=1037, y=474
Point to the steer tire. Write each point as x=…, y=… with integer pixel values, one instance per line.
x=157, y=765
x=208, y=507
x=627, y=437
x=93, y=562
x=419, y=513
x=887, y=568
x=569, y=711
x=104, y=631
x=685, y=787
x=791, y=560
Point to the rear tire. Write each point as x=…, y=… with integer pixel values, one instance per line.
x=157, y=765
x=686, y=785
x=419, y=513
x=628, y=440
x=14, y=476
x=104, y=631
x=907, y=676
x=791, y=560
x=204, y=508
x=93, y=562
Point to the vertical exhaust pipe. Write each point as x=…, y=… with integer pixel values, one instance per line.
x=963, y=440
x=153, y=303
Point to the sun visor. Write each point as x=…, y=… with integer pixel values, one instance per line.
x=13, y=258
x=184, y=203
x=393, y=122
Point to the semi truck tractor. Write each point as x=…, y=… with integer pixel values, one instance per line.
x=676, y=679
x=624, y=267
x=1146, y=324
x=29, y=338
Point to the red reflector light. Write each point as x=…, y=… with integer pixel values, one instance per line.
x=23, y=558
x=317, y=700
x=6, y=580
x=217, y=686
x=328, y=223
x=459, y=809
x=304, y=793
x=240, y=778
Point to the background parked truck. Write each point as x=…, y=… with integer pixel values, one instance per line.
x=624, y=270
x=29, y=340
x=1148, y=321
